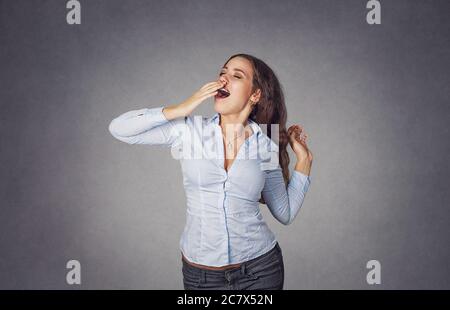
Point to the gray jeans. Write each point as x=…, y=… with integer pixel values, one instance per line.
x=265, y=272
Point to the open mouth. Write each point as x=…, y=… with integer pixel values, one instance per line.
x=222, y=93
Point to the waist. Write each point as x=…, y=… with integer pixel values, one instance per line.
x=210, y=267
x=276, y=248
x=207, y=243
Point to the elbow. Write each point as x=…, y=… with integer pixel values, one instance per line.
x=112, y=128
x=287, y=221
x=290, y=216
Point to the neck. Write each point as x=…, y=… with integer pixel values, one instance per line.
x=233, y=124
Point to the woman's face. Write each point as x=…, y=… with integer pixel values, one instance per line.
x=237, y=74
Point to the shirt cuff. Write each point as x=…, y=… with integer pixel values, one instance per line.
x=302, y=180
x=158, y=114
x=161, y=114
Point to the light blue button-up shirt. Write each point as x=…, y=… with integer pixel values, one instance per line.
x=224, y=224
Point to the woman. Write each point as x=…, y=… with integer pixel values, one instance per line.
x=226, y=244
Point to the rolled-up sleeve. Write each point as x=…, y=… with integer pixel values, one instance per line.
x=147, y=126
x=285, y=202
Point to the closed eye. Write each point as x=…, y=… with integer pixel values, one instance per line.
x=236, y=76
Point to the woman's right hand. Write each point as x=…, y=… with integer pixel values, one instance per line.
x=206, y=91
x=186, y=107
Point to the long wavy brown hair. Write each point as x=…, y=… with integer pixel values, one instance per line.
x=271, y=108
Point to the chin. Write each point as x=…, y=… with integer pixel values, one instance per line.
x=219, y=107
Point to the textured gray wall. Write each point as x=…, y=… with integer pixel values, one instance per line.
x=373, y=98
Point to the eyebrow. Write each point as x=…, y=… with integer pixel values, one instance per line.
x=236, y=69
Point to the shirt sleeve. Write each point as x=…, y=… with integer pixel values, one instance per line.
x=285, y=203
x=147, y=126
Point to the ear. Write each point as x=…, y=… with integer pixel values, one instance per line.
x=256, y=95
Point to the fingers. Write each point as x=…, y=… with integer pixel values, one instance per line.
x=209, y=93
x=303, y=139
x=210, y=89
x=206, y=91
x=297, y=132
x=209, y=84
x=217, y=84
x=295, y=129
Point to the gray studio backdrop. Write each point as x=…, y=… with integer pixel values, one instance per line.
x=373, y=98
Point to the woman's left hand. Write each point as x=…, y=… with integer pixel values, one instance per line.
x=297, y=140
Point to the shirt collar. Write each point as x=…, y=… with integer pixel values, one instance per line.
x=215, y=118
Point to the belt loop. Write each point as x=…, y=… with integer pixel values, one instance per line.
x=243, y=268
x=202, y=276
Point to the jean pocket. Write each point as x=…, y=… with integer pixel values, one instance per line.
x=270, y=272
x=191, y=278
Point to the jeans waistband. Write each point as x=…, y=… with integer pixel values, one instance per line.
x=276, y=250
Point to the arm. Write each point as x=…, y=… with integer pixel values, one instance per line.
x=161, y=125
x=149, y=126
x=285, y=203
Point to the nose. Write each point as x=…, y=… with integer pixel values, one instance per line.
x=223, y=80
